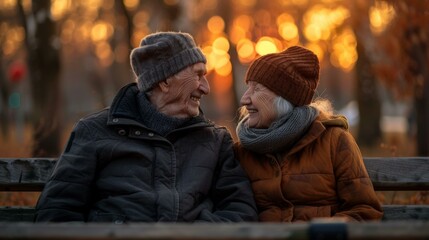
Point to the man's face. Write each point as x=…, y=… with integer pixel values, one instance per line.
x=184, y=92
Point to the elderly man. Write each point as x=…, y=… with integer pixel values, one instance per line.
x=152, y=156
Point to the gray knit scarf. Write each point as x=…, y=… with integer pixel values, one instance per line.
x=281, y=135
x=155, y=120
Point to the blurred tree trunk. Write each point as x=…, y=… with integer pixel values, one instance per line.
x=121, y=9
x=417, y=52
x=225, y=10
x=369, y=130
x=230, y=109
x=44, y=67
x=408, y=44
x=4, y=94
x=123, y=35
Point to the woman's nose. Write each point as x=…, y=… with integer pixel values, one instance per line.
x=245, y=99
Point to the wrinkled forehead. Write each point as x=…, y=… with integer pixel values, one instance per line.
x=199, y=67
x=255, y=84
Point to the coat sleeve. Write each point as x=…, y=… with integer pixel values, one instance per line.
x=66, y=195
x=231, y=194
x=357, y=197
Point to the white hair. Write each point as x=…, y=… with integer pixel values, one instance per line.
x=282, y=106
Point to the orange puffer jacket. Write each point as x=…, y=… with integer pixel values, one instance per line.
x=323, y=175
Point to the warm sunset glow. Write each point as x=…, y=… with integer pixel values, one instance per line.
x=8, y=47
x=131, y=4
x=90, y=5
x=216, y=25
x=244, y=21
x=104, y=53
x=263, y=17
x=266, y=45
x=217, y=56
x=141, y=18
x=137, y=37
x=222, y=84
x=240, y=29
x=101, y=31
x=17, y=34
x=312, y=32
x=288, y=31
x=7, y=4
x=247, y=3
x=317, y=50
x=380, y=15
x=236, y=34
x=222, y=65
x=220, y=45
x=211, y=58
x=225, y=69
x=284, y=17
x=67, y=30
x=108, y=4
x=344, y=53
x=246, y=50
x=321, y=21
x=293, y=2
x=13, y=38
x=59, y=8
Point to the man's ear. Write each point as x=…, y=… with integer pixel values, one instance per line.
x=164, y=85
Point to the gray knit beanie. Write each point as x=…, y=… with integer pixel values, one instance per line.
x=161, y=55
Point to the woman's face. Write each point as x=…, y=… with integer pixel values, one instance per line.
x=259, y=102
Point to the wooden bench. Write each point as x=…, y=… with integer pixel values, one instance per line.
x=387, y=174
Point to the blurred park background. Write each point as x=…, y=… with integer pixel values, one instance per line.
x=63, y=59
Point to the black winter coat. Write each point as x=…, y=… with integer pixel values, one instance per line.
x=114, y=169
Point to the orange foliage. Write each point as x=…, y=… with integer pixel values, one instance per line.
x=406, y=37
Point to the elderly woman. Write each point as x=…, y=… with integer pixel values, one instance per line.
x=301, y=159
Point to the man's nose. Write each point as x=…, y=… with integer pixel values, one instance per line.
x=204, y=86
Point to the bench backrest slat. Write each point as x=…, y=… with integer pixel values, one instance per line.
x=399, y=174
x=387, y=174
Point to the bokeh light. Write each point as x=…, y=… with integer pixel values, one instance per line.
x=288, y=31
x=246, y=50
x=101, y=31
x=131, y=4
x=344, y=54
x=380, y=15
x=216, y=25
x=241, y=28
x=267, y=45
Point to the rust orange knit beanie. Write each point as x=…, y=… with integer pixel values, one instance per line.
x=292, y=74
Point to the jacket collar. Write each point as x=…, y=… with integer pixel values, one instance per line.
x=124, y=109
x=317, y=128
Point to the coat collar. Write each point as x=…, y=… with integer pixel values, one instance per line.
x=317, y=128
x=124, y=109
